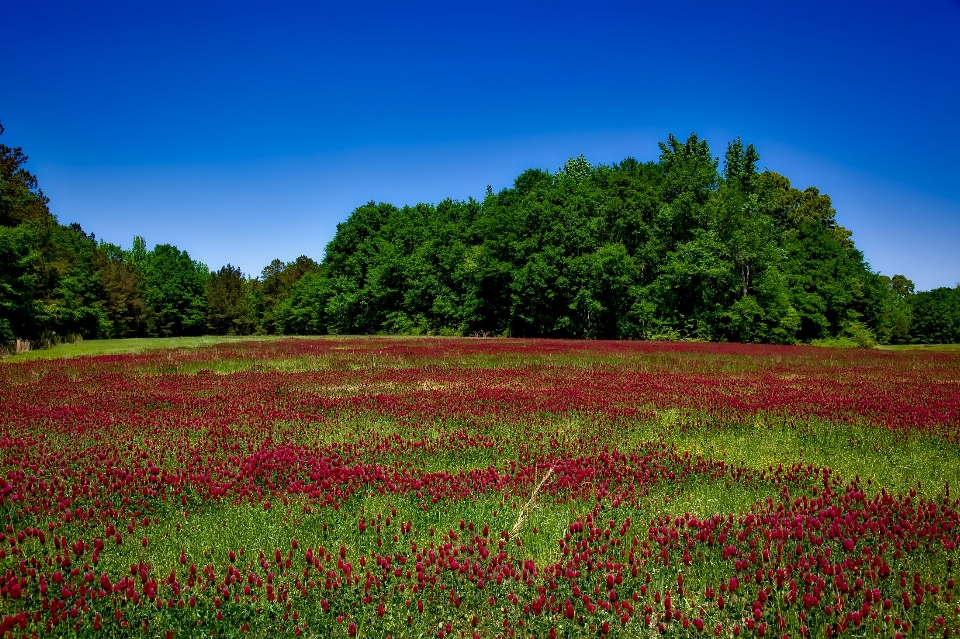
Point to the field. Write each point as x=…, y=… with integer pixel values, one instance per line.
x=480, y=488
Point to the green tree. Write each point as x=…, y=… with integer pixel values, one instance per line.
x=175, y=292
x=273, y=288
x=21, y=199
x=889, y=311
x=64, y=294
x=935, y=316
x=673, y=248
x=669, y=248
x=901, y=286
x=73, y=292
x=305, y=311
x=138, y=254
x=21, y=313
x=227, y=303
x=830, y=283
x=123, y=299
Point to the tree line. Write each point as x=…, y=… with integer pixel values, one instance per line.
x=58, y=282
x=678, y=248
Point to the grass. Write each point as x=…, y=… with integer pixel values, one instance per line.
x=920, y=347
x=208, y=533
x=207, y=529
x=87, y=348
x=875, y=455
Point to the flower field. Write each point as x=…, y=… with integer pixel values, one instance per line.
x=481, y=488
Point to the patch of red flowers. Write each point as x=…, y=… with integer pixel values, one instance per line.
x=96, y=450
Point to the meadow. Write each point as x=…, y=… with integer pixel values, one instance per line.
x=427, y=487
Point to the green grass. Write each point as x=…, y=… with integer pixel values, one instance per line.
x=211, y=532
x=207, y=534
x=127, y=346
x=210, y=529
x=887, y=460
x=920, y=347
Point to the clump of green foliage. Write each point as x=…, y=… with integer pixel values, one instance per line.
x=676, y=249
x=58, y=283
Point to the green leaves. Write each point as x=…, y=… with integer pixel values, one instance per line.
x=576, y=170
x=740, y=164
x=688, y=168
x=20, y=311
x=936, y=316
x=632, y=250
x=226, y=303
x=671, y=249
x=175, y=287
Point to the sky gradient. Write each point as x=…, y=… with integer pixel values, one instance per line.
x=246, y=132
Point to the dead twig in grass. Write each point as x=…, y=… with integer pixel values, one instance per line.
x=530, y=502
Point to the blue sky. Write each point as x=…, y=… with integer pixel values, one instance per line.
x=245, y=132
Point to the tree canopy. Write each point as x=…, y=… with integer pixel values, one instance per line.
x=684, y=247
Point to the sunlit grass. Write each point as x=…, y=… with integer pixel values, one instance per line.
x=127, y=346
x=400, y=453
x=920, y=347
x=363, y=352
x=882, y=459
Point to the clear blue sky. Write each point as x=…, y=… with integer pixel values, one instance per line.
x=245, y=132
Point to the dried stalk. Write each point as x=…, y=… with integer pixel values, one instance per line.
x=526, y=506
